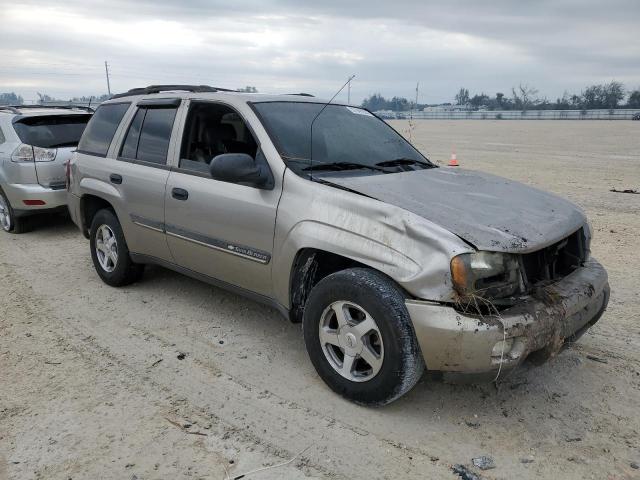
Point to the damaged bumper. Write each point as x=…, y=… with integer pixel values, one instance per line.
x=456, y=342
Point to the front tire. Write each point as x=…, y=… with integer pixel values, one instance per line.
x=110, y=253
x=360, y=338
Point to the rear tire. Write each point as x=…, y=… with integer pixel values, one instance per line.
x=8, y=220
x=371, y=356
x=110, y=253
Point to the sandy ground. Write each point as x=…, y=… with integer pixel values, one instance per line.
x=91, y=385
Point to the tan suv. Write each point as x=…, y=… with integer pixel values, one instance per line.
x=326, y=213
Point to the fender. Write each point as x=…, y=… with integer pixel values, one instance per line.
x=409, y=249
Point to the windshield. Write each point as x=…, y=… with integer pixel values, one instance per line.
x=51, y=131
x=342, y=135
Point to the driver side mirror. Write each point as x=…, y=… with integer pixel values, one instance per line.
x=240, y=168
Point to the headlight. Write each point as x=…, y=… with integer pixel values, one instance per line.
x=486, y=274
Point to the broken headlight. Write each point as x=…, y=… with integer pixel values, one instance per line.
x=486, y=274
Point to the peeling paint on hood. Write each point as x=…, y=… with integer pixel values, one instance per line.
x=490, y=212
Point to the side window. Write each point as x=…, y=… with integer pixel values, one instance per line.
x=149, y=135
x=130, y=146
x=101, y=128
x=213, y=129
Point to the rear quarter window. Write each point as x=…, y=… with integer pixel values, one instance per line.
x=51, y=131
x=101, y=128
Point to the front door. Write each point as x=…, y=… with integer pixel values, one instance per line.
x=219, y=229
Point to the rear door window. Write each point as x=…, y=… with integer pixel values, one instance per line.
x=149, y=135
x=103, y=125
x=53, y=131
x=130, y=146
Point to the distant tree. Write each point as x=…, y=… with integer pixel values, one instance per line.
x=10, y=99
x=462, y=97
x=479, y=100
x=499, y=98
x=374, y=102
x=524, y=97
x=43, y=97
x=634, y=99
x=576, y=101
x=399, y=104
x=613, y=94
x=608, y=95
x=377, y=102
x=248, y=89
x=91, y=98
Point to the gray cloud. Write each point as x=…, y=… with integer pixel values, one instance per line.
x=287, y=45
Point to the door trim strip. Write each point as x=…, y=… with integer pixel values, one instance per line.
x=147, y=223
x=220, y=245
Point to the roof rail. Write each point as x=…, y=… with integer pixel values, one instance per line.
x=301, y=94
x=168, y=88
x=16, y=108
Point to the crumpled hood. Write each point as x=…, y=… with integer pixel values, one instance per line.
x=490, y=212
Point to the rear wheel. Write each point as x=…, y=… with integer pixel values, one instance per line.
x=360, y=338
x=8, y=220
x=110, y=253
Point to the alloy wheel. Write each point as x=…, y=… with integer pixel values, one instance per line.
x=5, y=215
x=351, y=341
x=106, y=248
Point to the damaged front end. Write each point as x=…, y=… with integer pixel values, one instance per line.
x=510, y=306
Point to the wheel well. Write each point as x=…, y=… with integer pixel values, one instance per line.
x=311, y=266
x=89, y=206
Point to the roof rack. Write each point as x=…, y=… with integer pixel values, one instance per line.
x=167, y=88
x=17, y=108
x=301, y=94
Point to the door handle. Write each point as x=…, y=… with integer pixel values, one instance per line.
x=179, y=194
x=115, y=178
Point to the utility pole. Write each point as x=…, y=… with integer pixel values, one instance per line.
x=106, y=71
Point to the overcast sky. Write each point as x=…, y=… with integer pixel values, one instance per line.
x=279, y=46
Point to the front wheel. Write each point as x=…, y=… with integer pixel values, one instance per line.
x=360, y=337
x=110, y=253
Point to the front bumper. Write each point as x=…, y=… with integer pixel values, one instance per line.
x=456, y=342
x=48, y=198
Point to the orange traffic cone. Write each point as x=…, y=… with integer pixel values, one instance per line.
x=453, y=162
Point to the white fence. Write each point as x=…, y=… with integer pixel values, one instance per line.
x=614, y=114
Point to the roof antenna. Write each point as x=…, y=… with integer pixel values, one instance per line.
x=348, y=82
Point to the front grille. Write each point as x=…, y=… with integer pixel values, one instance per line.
x=555, y=261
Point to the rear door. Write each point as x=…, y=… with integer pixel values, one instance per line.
x=141, y=172
x=57, y=136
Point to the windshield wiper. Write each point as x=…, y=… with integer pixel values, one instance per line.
x=343, y=166
x=404, y=161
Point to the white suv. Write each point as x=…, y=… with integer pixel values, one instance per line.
x=35, y=144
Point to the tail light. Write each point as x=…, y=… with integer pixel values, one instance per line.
x=28, y=153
